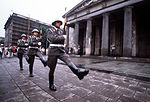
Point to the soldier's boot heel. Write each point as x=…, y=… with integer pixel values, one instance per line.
x=52, y=87
x=82, y=73
x=31, y=75
x=21, y=69
x=78, y=71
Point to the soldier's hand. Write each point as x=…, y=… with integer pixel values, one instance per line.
x=39, y=43
x=65, y=36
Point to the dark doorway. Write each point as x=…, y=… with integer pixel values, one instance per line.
x=96, y=36
x=82, y=37
x=116, y=33
x=142, y=19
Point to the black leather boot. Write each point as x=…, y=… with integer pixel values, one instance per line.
x=78, y=71
x=31, y=70
x=44, y=62
x=82, y=73
x=52, y=87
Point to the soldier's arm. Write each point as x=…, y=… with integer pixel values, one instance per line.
x=20, y=43
x=53, y=37
x=31, y=42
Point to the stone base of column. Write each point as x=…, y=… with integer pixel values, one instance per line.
x=127, y=52
x=104, y=52
x=88, y=51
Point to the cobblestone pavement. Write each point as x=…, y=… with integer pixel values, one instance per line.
x=17, y=86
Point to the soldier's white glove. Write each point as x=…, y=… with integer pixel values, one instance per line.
x=26, y=44
x=65, y=36
x=39, y=43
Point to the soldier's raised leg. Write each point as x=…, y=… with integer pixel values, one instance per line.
x=39, y=54
x=77, y=71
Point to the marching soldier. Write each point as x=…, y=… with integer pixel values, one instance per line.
x=56, y=38
x=22, y=49
x=34, y=50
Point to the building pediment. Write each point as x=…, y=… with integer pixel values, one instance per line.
x=83, y=5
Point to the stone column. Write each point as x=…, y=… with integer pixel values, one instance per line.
x=97, y=41
x=76, y=37
x=105, y=35
x=127, y=37
x=134, y=39
x=67, y=39
x=88, y=37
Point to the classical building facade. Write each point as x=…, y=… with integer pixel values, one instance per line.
x=18, y=24
x=110, y=28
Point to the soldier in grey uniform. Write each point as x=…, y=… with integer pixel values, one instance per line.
x=22, y=49
x=56, y=38
x=34, y=50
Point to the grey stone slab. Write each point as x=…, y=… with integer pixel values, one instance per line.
x=144, y=84
x=110, y=87
x=142, y=97
x=41, y=96
x=112, y=100
x=74, y=98
x=11, y=95
x=19, y=98
x=32, y=91
x=110, y=94
x=125, y=91
x=94, y=97
x=148, y=92
x=137, y=88
x=62, y=95
x=80, y=91
x=128, y=99
x=122, y=83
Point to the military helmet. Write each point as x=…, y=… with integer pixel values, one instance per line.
x=35, y=30
x=23, y=35
x=53, y=23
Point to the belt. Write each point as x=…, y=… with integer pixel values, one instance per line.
x=33, y=47
x=56, y=45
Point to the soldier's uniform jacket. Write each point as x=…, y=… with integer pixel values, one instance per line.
x=55, y=36
x=22, y=45
x=34, y=45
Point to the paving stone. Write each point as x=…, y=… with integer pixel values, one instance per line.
x=80, y=91
x=62, y=95
x=142, y=97
x=110, y=94
x=122, y=83
x=94, y=97
x=112, y=100
x=128, y=99
x=137, y=88
x=125, y=91
x=148, y=92
x=74, y=98
x=144, y=84
x=11, y=95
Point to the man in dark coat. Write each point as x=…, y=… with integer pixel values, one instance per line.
x=34, y=50
x=56, y=38
x=22, y=50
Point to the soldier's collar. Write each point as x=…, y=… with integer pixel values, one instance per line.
x=56, y=28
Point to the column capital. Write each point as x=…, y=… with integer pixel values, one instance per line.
x=128, y=7
x=106, y=14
